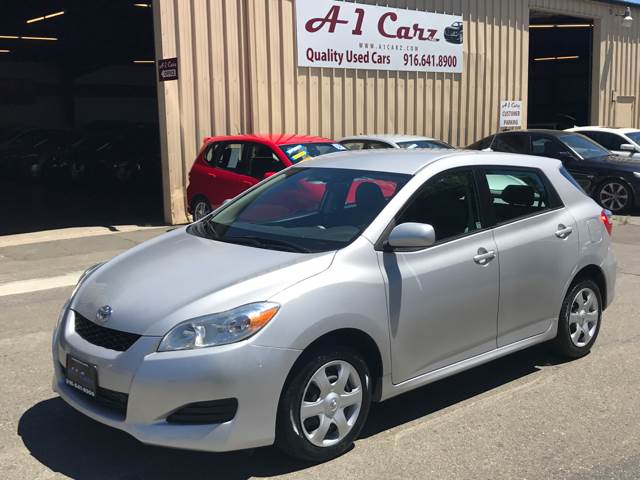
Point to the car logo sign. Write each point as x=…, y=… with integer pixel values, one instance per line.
x=104, y=313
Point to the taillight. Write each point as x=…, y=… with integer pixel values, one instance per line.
x=605, y=216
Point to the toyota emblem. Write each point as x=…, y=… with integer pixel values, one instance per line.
x=104, y=313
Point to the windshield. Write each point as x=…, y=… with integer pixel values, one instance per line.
x=635, y=136
x=298, y=152
x=584, y=146
x=303, y=210
x=424, y=144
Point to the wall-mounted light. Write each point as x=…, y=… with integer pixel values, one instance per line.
x=142, y=5
x=144, y=61
x=5, y=51
x=45, y=17
x=627, y=19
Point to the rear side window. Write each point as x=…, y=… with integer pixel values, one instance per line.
x=229, y=156
x=511, y=143
x=518, y=193
x=481, y=144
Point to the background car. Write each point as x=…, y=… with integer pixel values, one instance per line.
x=454, y=33
x=612, y=180
x=227, y=165
x=619, y=141
x=367, y=142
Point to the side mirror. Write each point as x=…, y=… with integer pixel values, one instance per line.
x=268, y=174
x=225, y=201
x=564, y=156
x=411, y=235
x=627, y=147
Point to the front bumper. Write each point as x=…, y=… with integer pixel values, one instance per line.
x=159, y=383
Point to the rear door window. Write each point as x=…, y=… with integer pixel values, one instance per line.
x=517, y=193
x=229, y=156
x=512, y=143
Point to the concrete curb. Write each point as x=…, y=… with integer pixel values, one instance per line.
x=68, y=233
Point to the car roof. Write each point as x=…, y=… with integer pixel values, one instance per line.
x=412, y=161
x=604, y=129
x=275, y=138
x=389, y=138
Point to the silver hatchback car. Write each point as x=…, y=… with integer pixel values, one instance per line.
x=342, y=281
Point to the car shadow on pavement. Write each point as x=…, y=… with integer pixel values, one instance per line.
x=67, y=442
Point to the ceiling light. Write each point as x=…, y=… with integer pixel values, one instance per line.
x=142, y=5
x=144, y=61
x=548, y=59
x=45, y=17
x=5, y=51
x=9, y=37
x=50, y=39
x=562, y=25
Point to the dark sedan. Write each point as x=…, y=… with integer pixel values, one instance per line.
x=612, y=180
x=454, y=33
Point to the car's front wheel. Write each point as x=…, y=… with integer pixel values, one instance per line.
x=579, y=321
x=324, y=405
x=615, y=195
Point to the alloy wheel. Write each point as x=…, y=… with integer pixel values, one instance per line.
x=614, y=196
x=201, y=210
x=583, y=317
x=331, y=403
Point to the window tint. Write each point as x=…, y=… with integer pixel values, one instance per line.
x=306, y=151
x=549, y=147
x=635, y=136
x=209, y=153
x=565, y=173
x=511, y=143
x=372, y=145
x=516, y=193
x=585, y=147
x=448, y=203
x=481, y=144
x=610, y=141
x=229, y=156
x=354, y=145
x=262, y=160
x=424, y=144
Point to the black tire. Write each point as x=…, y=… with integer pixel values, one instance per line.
x=563, y=344
x=614, y=184
x=290, y=437
x=200, y=208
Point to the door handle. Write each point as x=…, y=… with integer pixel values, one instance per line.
x=563, y=232
x=484, y=256
x=212, y=175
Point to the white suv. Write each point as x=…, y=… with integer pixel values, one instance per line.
x=620, y=141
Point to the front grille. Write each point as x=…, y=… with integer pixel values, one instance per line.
x=103, y=336
x=110, y=399
x=213, y=411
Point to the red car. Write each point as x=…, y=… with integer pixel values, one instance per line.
x=227, y=166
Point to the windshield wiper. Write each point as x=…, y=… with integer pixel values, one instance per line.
x=268, y=242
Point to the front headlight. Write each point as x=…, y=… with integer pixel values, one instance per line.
x=219, y=328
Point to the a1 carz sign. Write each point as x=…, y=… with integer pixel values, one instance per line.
x=337, y=34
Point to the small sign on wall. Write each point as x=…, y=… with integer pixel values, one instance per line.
x=510, y=114
x=168, y=69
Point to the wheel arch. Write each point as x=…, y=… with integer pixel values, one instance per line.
x=351, y=338
x=595, y=273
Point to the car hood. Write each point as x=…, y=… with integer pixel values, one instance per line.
x=178, y=276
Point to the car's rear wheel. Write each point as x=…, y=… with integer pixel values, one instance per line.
x=201, y=208
x=324, y=405
x=580, y=318
x=615, y=195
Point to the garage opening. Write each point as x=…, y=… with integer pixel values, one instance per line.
x=79, y=141
x=560, y=63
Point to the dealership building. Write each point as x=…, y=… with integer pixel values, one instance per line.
x=269, y=66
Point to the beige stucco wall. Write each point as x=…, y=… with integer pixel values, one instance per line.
x=238, y=74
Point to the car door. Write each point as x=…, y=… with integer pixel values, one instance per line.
x=442, y=299
x=538, y=243
x=231, y=175
x=548, y=146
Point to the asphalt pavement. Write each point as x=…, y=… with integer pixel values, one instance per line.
x=527, y=416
